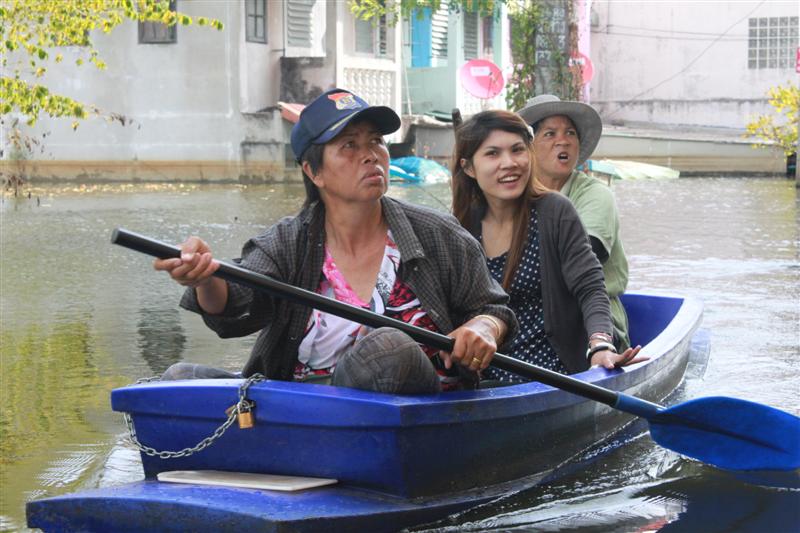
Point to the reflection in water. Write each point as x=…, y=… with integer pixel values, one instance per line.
x=80, y=316
x=716, y=503
x=51, y=393
x=712, y=503
x=161, y=337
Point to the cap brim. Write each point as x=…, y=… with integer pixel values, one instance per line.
x=384, y=118
x=585, y=118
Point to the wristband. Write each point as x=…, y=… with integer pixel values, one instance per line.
x=601, y=336
x=599, y=347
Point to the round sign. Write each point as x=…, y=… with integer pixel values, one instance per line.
x=582, y=61
x=481, y=78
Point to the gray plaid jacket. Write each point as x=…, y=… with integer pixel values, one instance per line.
x=440, y=261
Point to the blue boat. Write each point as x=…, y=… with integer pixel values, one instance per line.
x=398, y=461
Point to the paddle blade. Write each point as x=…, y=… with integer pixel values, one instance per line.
x=730, y=433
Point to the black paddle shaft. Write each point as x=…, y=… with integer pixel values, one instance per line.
x=242, y=276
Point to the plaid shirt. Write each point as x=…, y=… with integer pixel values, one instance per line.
x=440, y=261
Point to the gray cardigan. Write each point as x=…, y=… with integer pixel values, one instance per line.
x=573, y=289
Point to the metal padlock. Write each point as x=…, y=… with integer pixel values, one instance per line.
x=245, y=417
x=244, y=414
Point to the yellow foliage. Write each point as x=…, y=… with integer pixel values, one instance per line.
x=36, y=26
x=780, y=127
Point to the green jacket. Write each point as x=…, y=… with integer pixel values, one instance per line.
x=597, y=208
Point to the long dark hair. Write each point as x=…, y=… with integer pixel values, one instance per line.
x=469, y=202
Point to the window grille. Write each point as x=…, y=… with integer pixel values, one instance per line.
x=298, y=22
x=772, y=42
x=470, y=35
x=439, y=23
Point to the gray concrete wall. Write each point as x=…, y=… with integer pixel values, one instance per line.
x=204, y=108
x=191, y=106
x=659, y=63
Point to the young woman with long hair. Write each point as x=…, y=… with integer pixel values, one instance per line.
x=536, y=247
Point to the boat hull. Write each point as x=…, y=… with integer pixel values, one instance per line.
x=406, y=457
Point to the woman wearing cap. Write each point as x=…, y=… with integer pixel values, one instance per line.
x=536, y=246
x=565, y=135
x=351, y=243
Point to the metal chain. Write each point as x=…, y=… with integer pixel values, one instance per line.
x=203, y=444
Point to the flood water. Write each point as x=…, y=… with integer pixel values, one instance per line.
x=80, y=317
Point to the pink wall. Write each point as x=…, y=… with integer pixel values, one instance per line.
x=583, y=10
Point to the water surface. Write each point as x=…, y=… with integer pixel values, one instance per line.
x=80, y=317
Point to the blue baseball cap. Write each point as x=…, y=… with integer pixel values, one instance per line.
x=331, y=112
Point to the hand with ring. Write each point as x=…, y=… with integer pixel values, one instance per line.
x=473, y=348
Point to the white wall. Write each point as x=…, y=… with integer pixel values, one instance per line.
x=183, y=98
x=191, y=104
x=657, y=62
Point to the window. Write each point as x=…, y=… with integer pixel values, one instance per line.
x=488, y=36
x=439, y=24
x=470, y=35
x=478, y=35
x=304, y=23
x=158, y=33
x=771, y=42
x=256, y=21
x=429, y=37
x=299, y=13
x=371, y=37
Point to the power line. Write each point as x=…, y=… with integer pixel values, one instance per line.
x=709, y=34
x=684, y=69
x=727, y=40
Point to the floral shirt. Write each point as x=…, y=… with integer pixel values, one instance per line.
x=327, y=337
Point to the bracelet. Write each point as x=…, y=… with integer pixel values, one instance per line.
x=495, y=323
x=599, y=335
x=599, y=347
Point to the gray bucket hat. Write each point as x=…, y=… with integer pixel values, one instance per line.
x=586, y=119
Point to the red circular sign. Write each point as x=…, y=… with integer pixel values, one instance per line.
x=582, y=61
x=481, y=78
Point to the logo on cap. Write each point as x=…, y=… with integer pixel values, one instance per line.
x=344, y=101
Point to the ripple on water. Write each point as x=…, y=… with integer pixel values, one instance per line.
x=71, y=466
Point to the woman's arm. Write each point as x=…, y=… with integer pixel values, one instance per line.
x=584, y=276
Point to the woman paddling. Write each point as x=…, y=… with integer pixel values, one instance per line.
x=352, y=243
x=536, y=246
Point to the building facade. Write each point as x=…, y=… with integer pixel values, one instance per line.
x=436, y=46
x=701, y=64
x=200, y=104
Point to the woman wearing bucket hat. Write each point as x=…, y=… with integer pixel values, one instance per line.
x=352, y=243
x=536, y=246
x=565, y=135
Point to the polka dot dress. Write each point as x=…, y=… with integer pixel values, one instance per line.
x=531, y=343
